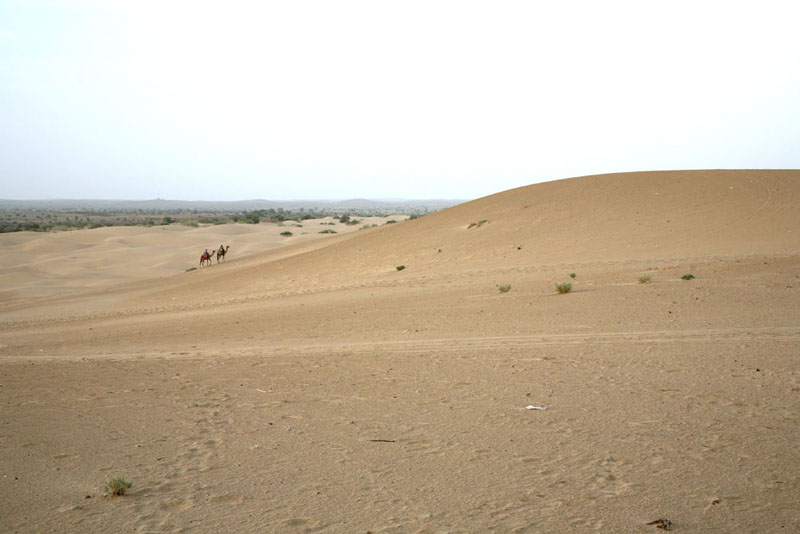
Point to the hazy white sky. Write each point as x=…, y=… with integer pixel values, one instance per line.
x=430, y=99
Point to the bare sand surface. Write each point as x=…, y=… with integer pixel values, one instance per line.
x=317, y=388
x=48, y=264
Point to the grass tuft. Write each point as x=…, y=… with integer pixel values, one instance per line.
x=400, y=267
x=287, y=233
x=504, y=288
x=572, y=275
x=644, y=279
x=117, y=486
x=687, y=276
x=564, y=287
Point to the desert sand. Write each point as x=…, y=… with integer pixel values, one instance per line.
x=314, y=387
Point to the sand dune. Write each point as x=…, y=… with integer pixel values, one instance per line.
x=60, y=263
x=311, y=386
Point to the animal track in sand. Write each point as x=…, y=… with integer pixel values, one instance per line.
x=726, y=335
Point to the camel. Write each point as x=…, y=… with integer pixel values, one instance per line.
x=221, y=252
x=206, y=257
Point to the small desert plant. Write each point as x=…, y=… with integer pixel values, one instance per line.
x=564, y=287
x=572, y=275
x=400, y=267
x=391, y=221
x=477, y=224
x=504, y=288
x=687, y=276
x=117, y=486
x=287, y=233
x=328, y=231
x=644, y=279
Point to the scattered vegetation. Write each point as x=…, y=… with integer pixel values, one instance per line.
x=644, y=279
x=345, y=219
x=117, y=486
x=368, y=226
x=328, y=231
x=572, y=275
x=287, y=233
x=504, y=288
x=390, y=221
x=564, y=287
x=400, y=267
x=687, y=276
x=61, y=219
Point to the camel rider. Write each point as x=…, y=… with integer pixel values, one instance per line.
x=206, y=254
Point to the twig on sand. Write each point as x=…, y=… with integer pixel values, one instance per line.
x=664, y=523
x=383, y=440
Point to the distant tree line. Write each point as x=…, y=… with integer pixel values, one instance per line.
x=18, y=220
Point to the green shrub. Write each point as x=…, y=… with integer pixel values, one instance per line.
x=390, y=221
x=117, y=486
x=644, y=279
x=687, y=276
x=328, y=231
x=564, y=287
x=504, y=288
x=572, y=275
x=287, y=233
x=400, y=267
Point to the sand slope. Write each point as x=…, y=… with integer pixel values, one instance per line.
x=316, y=388
x=47, y=264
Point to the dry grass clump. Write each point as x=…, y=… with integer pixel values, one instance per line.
x=644, y=279
x=117, y=486
x=564, y=287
